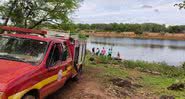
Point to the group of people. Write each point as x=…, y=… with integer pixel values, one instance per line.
x=103, y=52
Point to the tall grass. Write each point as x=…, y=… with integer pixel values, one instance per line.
x=162, y=68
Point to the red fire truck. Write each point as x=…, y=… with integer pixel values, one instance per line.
x=33, y=65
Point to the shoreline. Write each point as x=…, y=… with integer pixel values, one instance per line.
x=146, y=35
x=155, y=78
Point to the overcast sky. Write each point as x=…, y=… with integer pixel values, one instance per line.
x=130, y=11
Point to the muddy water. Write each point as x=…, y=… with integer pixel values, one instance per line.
x=169, y=51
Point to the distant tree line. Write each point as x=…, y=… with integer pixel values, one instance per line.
x=137, y=28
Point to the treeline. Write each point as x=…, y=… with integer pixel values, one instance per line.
x=137, y=28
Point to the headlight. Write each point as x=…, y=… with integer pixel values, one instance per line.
x=1, y=95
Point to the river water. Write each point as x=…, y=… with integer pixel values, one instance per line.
x=171, y=52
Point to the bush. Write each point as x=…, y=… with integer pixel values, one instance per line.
x=138, y=32
x=155, y=68
x=183, y=65
x=82, y=36
x=104, y=59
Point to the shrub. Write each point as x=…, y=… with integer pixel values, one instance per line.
x=82, y=36
x=138, y=32
x=183, y=65
x=104, y=59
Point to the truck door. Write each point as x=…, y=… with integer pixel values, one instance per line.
x=66, y=60
x=54, y=70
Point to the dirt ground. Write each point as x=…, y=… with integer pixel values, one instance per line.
x=90, y=86
x=86, y=88
x=167, y=36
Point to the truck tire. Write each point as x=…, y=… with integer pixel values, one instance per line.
x=80, y=70
x=77, y=77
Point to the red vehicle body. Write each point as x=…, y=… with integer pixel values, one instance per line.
x=23, y=80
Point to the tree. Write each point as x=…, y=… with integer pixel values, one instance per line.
x=181, y=5
x=32, y=13
x=120, y=27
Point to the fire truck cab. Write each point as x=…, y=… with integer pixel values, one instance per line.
x=33, y=66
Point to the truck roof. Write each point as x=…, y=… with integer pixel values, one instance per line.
x=36, y=37
x=29, y=34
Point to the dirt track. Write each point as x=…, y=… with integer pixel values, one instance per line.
x=91, y=86
x=86, y=88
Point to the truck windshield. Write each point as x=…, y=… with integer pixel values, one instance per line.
x=21, y=49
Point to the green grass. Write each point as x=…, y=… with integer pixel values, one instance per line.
x=158, y=85
x=157, y=81
x=109, y=70
x=82, y=36
x=155, y=84
x=161, y=68
x=116, y=72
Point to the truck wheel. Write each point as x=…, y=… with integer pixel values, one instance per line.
x=29, y=97
x=77, y=77
x=80, y=70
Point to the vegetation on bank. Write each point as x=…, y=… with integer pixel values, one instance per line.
x=137, y=28
x=153, y=78
x=143, y=66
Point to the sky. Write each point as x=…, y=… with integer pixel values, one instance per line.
x=130, y=11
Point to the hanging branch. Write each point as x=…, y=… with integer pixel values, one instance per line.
x=11, y=10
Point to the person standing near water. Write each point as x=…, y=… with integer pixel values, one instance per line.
x=110, y=53
x=103, y=51
x=118, y=56
x=93, y=51
x=97, y=51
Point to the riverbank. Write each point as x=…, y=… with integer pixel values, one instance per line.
x=128, y=79
x=146, y=35
x=104, y=78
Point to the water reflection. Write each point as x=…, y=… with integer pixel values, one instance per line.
x=135, y=45
x=141, y=45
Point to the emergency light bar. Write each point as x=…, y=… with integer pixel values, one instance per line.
x=23, y=30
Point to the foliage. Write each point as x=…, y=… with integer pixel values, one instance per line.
x=82, y=36
x=32, y=13
x=138, y=32
x=181, y=5
x=183, y=65
x=156, y=85
x=103, y=59
x=176, y=29
x=137, y=28
x=153, y=68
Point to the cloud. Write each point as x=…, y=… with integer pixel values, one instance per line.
x=146, y=6
x=156, y=10
x=130, y=11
